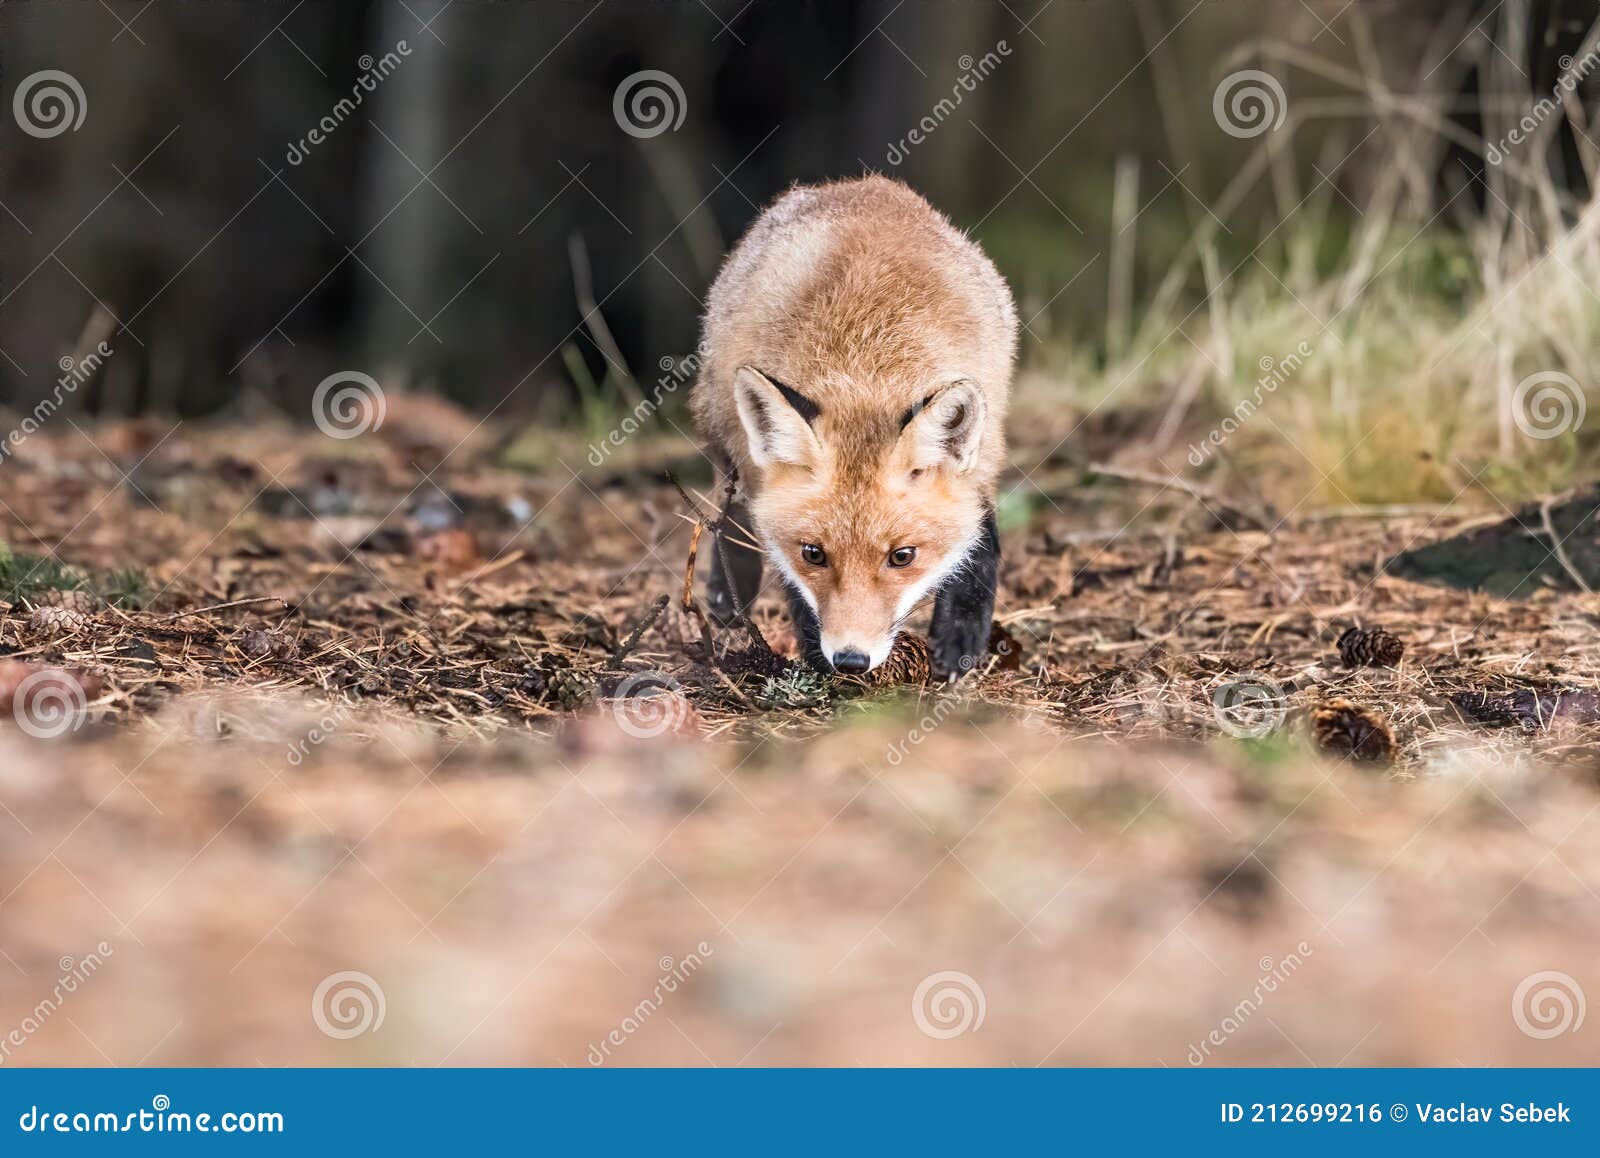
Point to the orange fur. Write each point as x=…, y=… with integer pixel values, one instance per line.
x=867, y=301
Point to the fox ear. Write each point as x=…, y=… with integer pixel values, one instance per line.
x=945, y=428
x=777, y=420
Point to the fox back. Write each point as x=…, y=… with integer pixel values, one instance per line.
x=855, y=365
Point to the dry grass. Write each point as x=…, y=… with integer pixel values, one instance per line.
x=411, y=761
x=1426, y=283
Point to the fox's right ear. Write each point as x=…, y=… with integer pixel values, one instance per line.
x=777, y=421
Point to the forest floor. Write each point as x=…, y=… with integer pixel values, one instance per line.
x=290, y=707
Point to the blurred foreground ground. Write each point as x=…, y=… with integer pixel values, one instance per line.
x=397, y=805
x=516, y=902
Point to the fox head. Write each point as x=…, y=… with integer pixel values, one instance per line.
x=864, y=514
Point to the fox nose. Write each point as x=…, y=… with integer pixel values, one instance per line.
x=851, y=661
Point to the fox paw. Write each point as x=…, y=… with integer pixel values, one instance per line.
x=958, y=649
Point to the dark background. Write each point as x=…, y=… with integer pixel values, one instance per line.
x=435, y=236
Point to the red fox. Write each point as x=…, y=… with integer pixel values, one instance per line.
x=856, y=359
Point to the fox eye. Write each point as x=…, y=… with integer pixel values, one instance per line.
x=813, y=554
x=902, y=556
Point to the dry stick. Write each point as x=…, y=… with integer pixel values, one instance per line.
x=689, y=603
x=224, y=606
x=490, y=568
x=1204, y=494
x=741, y=613
x=1124, y=249
x=594, y=321
x=96, y=329
x=1178, y=409
x=646, y=622
x=1556, y=542
x=718, y=525
x=703, y=524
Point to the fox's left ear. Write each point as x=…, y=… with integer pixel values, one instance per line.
x=945, y=428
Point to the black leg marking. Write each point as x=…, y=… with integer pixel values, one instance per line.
x=808, y=632
x=964, y=608
x=735, y=569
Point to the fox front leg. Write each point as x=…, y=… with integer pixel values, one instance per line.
x=807, y=630
x=964, y=608
x=735, y=567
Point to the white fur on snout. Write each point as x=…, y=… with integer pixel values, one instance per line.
x=876, y=653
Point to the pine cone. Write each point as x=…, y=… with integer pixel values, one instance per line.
x=909, y=662
x=1342, y=729
x=677, y=626
x=1370, y=647
x=57, y=620
x=72, y=599
x=572, y=688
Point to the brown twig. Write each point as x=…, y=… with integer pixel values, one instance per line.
x=224, y=606
x=688, y=499
x=716, y=525
x=1205, y=494
x=1557, y=545
x=689, y=603
x=741, y=613
x=646, y=622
